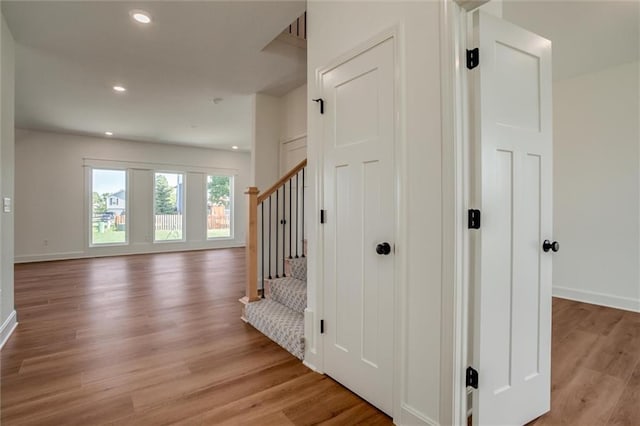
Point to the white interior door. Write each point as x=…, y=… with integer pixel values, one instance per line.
x=359, y=199
x=512, y=149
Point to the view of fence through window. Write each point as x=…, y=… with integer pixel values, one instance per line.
x=108, y=208
x=169, y=206
x=219, y=206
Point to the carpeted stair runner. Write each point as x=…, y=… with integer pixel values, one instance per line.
x=280, y=316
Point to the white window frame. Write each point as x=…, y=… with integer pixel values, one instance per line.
x=89, y=202
x=232, y=182
x=184, y=207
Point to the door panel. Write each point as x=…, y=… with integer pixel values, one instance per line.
x=359, y=199
x=512, y=142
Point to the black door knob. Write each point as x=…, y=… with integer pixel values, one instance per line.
x=383, y=249
x=548, y=245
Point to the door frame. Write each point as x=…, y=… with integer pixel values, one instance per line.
x=456, y=185
x=456, y=198
x=312, y=319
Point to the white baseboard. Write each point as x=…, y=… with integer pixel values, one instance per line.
x=411, y=416
x=594, y=298
x=7, y=328
x=50, y=256
x=312, y=367
x=130, y=250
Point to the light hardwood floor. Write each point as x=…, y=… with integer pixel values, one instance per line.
x=595, y=365
x=155, y=339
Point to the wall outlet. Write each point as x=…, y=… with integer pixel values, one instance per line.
x=6, y=205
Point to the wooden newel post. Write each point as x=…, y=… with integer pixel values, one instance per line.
x=252, y=246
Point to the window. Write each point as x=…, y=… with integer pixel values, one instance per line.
x=108, y=214
x=169, y=207
x=219, y=206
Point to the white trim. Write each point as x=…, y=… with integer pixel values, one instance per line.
x=311, y=367
x=232, y=207
x=43, y=257
x=290, y=139
x=314, y=344
x=455, y=236
x=183, y=206
x=396, y=33
x=411, y=416
x=89, y=201
x=100, y=163
x=595, y=298
x=311, y=347
x=401, y=230
x=148, y=249
x=7, y=328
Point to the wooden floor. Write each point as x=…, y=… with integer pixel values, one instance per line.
x=155, y=339
x=595, y=366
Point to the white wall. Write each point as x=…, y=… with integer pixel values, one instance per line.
x=294, y=114
x=7, y=68
x=334, y=29
x=279, y=126
x=265, y=146
x=51, y=191
x=293, y=129
x=597, y=187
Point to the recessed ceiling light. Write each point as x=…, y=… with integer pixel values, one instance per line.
x=140, y=16
x=234, y=147
x=118, y=88
x=108, y=133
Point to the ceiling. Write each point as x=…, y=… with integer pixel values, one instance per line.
x=69, y=55
x=587, y=36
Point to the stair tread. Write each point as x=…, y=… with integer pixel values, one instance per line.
x=290, y=292
x=287, y=280
x=298, y=268
x=280, y=323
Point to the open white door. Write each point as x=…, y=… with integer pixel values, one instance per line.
x=512, y=152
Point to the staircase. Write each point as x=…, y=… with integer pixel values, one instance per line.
x=276, y=289
x=280, y=316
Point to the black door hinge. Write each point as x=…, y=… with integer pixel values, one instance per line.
x=323, y=216
x=321, y=326
x=321, y=104
x=472, y=377
x=474, y=219
x=473, y=58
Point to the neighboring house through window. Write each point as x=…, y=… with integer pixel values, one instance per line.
x=108, y=218
x=117, y=202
